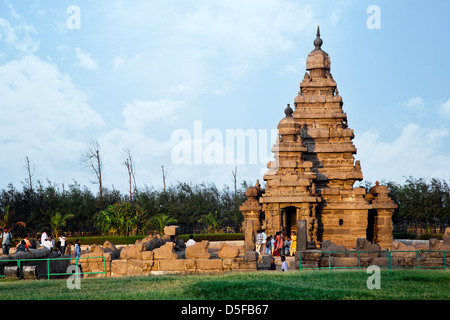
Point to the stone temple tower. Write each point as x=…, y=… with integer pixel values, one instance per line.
x=313, y=175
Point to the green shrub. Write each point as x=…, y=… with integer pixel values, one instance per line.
x=214, y=237
x=413, y=236
x=118, y=240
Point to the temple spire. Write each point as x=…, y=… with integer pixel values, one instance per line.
x=288, y=111
x=318, y=42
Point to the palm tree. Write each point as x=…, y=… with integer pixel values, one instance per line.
x=159, y=221
x=6, y=218
x=212, y=222
x=57, y=221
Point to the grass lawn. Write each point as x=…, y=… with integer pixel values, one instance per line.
x=294, y=285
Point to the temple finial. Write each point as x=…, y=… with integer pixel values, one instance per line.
x=288, y=111
x=318, y=42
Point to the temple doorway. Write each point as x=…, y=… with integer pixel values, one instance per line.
x=371, y=219
x=291, y=219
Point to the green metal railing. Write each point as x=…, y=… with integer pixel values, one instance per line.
x=381, y=254
x=48, y=274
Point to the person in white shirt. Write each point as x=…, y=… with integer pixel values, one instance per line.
x=284, y=265
x=62, y=244
x=47, y=243
x=44, y=237
x=263, y=242
x=191, y=241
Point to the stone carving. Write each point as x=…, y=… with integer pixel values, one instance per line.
x=198, y=251
x=165, y=252
x=227, y=252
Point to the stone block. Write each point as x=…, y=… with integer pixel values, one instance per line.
x=384, y=262
x=119, y=268
x=130, y=252
x=190, y=265
x=310, y=265
x=247, y=265
x=227, y=264
x=251, y=256
x=172, y=265
x=310, y=255
x=135, y=267
x=172, y=230
x=345, y=262
x=209, y=264
x=264, y=262
x=147, y=255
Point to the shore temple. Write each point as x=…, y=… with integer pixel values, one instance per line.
x=314, y=171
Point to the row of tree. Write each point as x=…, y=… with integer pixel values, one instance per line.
x=196, y=208
x=423, y=204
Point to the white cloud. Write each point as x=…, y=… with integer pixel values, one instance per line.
x=139, y=136
x=416, y=152
x=444, y=108
x=247, y=28
x=139, y=113
x=415, y=103
x=19, y=37
x=85, y=60
x=43, y=115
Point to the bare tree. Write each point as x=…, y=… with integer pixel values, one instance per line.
x=131, y=177
x=235, y=186
x=93, y=160
x=30, y=173
x=164, y=178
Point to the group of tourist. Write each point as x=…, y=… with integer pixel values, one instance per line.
x=276, y=246
x=46, y=240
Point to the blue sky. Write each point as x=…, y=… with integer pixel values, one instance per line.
x=137, y=71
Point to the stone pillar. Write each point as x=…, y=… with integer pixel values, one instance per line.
x=251, y=210
x=385, y=208
x=250, y=236
x=302, y=235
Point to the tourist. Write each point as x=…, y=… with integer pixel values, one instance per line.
x=27, y=242
x=33, y=244
x=77, y=249
x=47, y=243
x=269, y=245
x=293, y=247
x=287, y=246
x=272, y=244
x=284, y=265
x=272, y=264
x=278, y=244
x=6, y=240
x=69, y=249
x=44, y=236
x=258, y=241
x=263, y=242
x=62, y=244
x=52, y=241
x=191, y=241
x=22, y=247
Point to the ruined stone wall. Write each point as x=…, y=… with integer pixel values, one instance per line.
x=160, y=255
x=367, y=254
